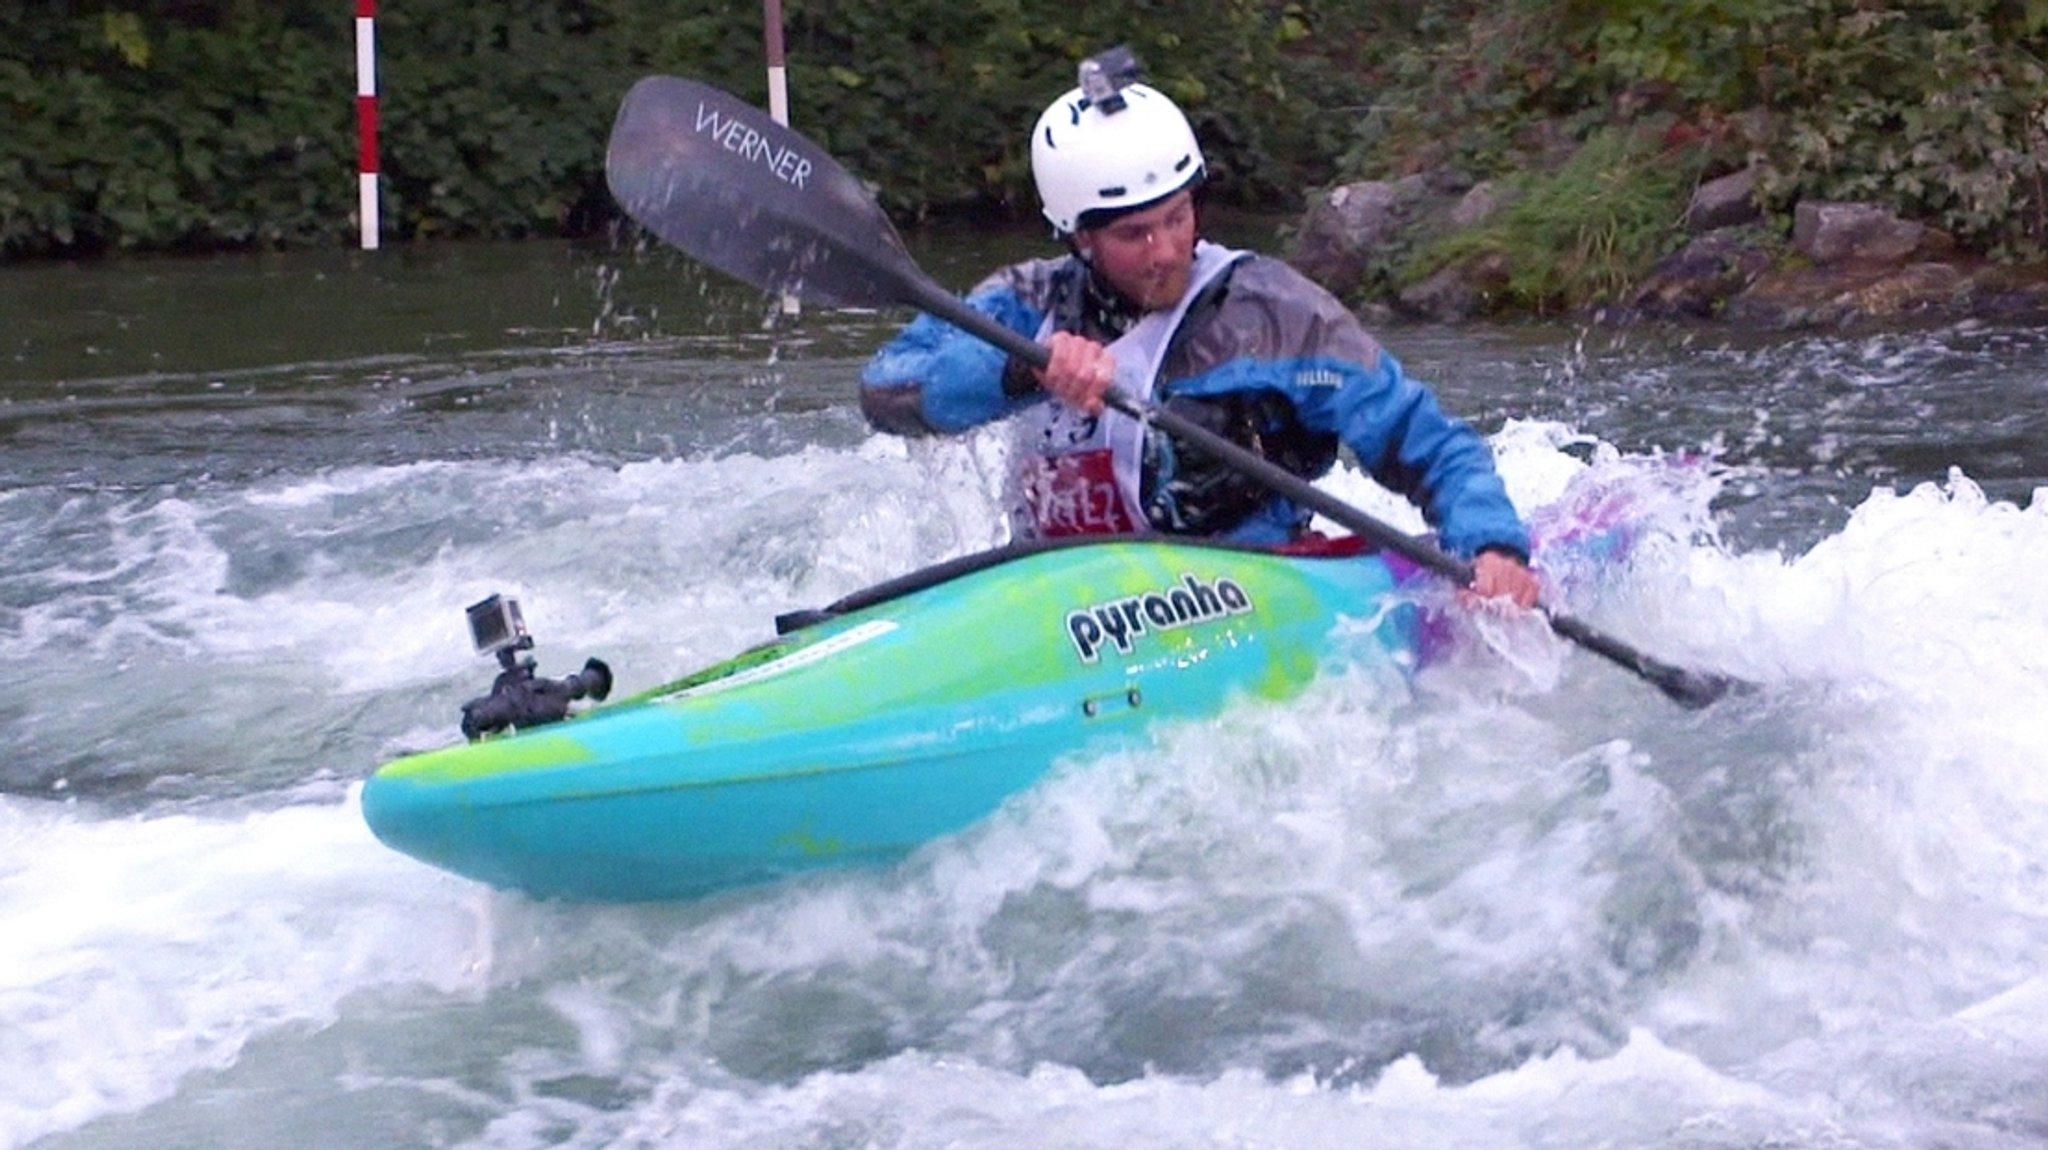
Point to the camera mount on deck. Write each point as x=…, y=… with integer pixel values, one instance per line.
x=519, y=698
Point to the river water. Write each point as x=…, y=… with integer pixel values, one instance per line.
x=1520, y=901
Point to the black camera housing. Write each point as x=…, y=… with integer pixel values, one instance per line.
x=519, y=698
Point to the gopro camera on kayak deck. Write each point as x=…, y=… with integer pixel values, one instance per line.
x=495, y=625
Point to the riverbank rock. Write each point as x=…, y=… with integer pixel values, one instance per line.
x=1698, y=280
x=1846, y=295
x=1840, y=264
x=1849, y=263
x=1724, y=203
x=1349, y=226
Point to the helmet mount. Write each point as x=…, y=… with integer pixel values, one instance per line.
x=1105, y=75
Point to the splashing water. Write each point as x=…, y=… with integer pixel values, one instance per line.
x=1516, y=900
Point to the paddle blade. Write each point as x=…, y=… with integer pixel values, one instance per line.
x=1695, y=690
x=721, y=180
x=1689, y=688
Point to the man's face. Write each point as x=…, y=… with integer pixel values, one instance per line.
x=1148, y=255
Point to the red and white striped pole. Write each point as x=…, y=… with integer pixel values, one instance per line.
x=366, y=118
x=778, y=92
x=778, y=76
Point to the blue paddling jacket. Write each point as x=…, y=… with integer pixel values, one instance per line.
x=1259, y=353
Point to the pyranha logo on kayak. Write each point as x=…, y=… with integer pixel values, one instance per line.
x=1119, y=622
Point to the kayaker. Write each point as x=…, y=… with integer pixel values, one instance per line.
x=1241, y=342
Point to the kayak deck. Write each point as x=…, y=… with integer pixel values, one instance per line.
x=896, y=716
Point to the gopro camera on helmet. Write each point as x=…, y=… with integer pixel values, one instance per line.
x=1105, y=75
x=518, y=697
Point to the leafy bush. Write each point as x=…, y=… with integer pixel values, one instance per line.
x=1937, y=109
x=209, y=123
x=494, y=116
x=107, y=153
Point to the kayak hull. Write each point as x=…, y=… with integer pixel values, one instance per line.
x=876, y=729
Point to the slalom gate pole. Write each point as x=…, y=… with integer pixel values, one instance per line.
x=778, y=96
x=366, y=120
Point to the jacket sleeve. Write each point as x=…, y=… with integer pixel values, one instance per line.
x=1400, y=434
x=934, y=378
x=1277, y=331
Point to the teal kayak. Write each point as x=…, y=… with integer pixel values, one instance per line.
x=899, y=715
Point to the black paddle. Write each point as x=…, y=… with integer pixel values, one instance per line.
x=719, y=179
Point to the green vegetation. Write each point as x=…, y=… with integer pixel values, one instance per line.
x=193, y=124
x=196, y=124
x=1581, y=234
x=1936, y=109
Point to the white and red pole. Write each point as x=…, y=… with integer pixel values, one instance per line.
x=366, y=118
x=778, y=76
x=778, y=91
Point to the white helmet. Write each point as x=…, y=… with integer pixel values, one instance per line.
x=1112, y=154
